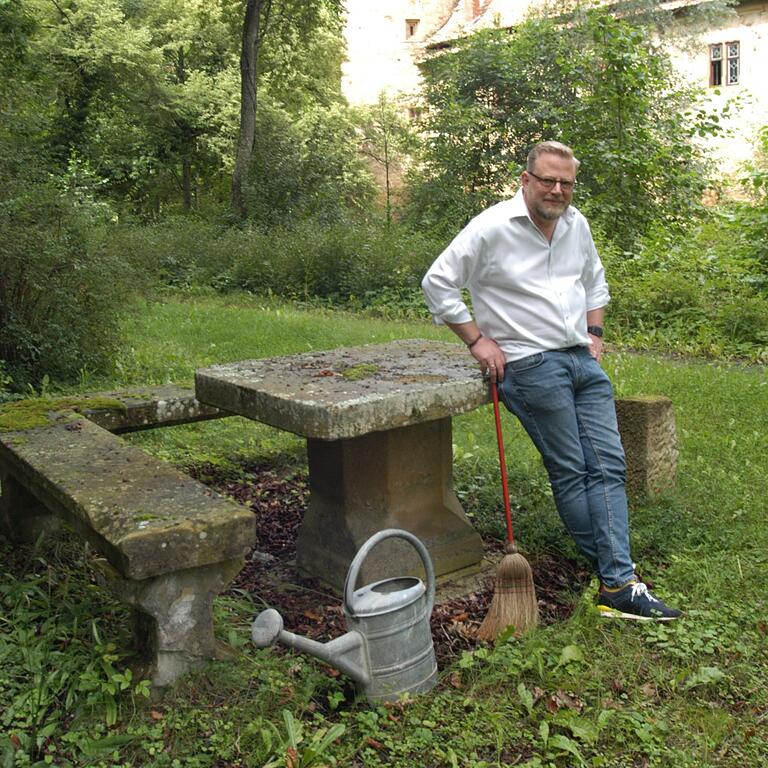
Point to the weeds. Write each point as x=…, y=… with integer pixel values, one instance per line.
x=691, y=694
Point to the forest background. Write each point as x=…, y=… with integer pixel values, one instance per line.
x=123, y=127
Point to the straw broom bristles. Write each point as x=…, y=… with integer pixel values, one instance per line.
x=514, y=598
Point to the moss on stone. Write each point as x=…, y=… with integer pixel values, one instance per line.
x=360, y=371
x=41, y=412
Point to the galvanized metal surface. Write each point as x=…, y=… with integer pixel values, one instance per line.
x=388, y=650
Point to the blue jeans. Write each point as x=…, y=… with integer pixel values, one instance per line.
x=564, y=400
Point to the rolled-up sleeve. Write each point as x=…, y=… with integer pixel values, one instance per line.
x=449, y=273
x=593, y=277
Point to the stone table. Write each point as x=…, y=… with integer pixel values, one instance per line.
x=377, y=420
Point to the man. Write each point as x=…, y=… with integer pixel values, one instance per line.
x=539, y=292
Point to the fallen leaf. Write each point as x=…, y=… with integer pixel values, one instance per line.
x=312, y=615
x=15, y=741
x=331, y=671
x=562, y=699
x=649, y=690
x=155, y=715
x=375, y=744
x=455, y=680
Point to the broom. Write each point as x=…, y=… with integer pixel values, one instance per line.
x=514, y=596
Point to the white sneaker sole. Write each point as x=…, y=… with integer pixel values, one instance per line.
x=613, y=613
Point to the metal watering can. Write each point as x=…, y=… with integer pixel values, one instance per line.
x=388, y=649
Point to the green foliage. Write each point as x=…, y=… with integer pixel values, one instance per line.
x=306, y=167
x=698, y=294
x=59, y=301
x=16, y=25
x=748, y=227
x=635, y=126
x=144, y=97
x=599, y=83
x=388, y=142
x=489, y=99
x=291, y=748
x=57, y=669
x=355, y=264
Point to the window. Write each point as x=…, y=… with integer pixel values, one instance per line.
x=411, y=25
x=716, y=64
x=732, y=61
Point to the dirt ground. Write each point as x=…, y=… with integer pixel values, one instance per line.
x=279, y=500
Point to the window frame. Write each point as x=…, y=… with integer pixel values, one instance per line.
x=737, y=59
x=411, y=28
x=724, y=63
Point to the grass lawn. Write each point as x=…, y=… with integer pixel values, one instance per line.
x=583, y=692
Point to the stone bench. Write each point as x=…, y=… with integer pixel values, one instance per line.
x=377, y=420
x=168, y=544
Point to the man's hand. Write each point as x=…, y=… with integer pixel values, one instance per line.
x=490, y=357
x=596, y=348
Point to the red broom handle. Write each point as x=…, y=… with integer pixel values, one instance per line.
x=502, y=464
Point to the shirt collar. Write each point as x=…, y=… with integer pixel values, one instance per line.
x=518, y=209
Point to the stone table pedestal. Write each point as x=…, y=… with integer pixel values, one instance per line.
x=378, y=425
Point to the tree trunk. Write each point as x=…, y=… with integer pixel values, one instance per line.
x=254, y=29
x=186, y=163
x=186, y=183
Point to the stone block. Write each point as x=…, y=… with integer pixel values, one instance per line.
x=348, y=392
x=647, y=428
x=173, y=616
x=401, y=478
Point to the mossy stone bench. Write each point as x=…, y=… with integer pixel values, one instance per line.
x=167, y=544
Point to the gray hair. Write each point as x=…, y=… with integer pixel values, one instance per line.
x=553, y=148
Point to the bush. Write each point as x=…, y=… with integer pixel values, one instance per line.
x=58, y=300
x=695, y=295
x=344, y=263
x=744, y=320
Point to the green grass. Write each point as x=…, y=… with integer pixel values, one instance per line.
x=584, y=692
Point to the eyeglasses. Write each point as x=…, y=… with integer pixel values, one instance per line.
x=548, y=183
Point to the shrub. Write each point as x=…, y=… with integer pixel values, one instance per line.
x=696, y=295
x=744, y=320
x=340, y=262
x=58, y=300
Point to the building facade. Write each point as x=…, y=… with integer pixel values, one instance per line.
x=386, y=40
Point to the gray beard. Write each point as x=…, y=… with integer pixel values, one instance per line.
x=550, y=215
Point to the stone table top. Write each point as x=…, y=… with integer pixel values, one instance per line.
x=350, y=391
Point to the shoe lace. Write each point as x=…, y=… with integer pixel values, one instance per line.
x=641, y=590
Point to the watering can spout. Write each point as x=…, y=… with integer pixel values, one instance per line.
x=346, y=653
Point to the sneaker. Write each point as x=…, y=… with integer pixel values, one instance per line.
x=634, y=602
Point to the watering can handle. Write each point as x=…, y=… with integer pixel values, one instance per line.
x=362, y=553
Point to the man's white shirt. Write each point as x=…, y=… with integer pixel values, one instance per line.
x=528, y=294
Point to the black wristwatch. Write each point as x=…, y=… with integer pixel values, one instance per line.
x=595, y=330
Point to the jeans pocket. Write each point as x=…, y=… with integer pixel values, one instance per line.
x=526, y=363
